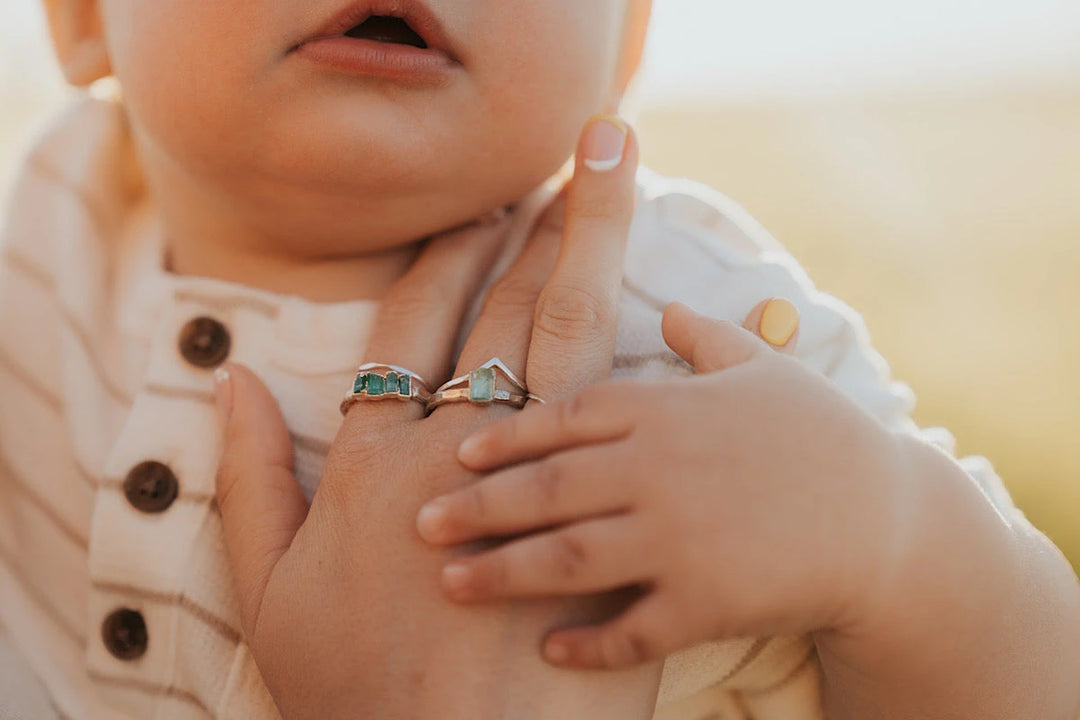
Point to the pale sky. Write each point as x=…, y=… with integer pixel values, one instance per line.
x=729, y=49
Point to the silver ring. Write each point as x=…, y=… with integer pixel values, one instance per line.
x=480, y=387
x=379, y=381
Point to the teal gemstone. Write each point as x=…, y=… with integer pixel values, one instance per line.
x=391, y=386
x=482, y=385
x=375, y=385
x=361, y=383
x=405, y=386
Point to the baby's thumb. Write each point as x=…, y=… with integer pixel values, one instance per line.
x=708, y=344
x=261, y=504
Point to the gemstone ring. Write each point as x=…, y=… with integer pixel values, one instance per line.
x=379, y=381
x=481, y=387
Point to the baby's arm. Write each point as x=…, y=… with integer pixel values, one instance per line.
x=982, y=618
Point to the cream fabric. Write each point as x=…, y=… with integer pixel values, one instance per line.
x=92, y=383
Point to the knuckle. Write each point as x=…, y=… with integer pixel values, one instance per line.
x=571, y=412
x=623, y=647
x=225, y=480
x=569, y=555
x=549, y=482
x=568, y=312
x=491, y=574
x=408, y=304
x=598, y=206
x=475, y=505
x=512, y=291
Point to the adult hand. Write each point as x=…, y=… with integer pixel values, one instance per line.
x=340, y=602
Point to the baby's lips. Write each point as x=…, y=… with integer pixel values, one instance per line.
x=415, y=13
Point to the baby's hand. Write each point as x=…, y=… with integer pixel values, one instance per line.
x=754, y=499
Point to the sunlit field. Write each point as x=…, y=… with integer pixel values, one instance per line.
x=952, y=222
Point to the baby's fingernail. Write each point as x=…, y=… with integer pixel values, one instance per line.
x=455, y=578
x=430, y=519
x=556, y=652
x=604, y=143
x=471, y=447
x=223, y=394
x=779, y=321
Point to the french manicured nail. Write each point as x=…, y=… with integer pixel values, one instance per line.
x=430, y=519
x=455, y=578
x=779, y=321
x=223, y=394
x=604, y=144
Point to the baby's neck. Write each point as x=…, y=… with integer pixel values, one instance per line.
x=358, y=277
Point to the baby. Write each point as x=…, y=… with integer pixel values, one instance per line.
x=260, y=191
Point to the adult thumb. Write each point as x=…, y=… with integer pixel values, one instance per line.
x=261, y=503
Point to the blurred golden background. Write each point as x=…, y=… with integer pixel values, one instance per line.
x=922, y=162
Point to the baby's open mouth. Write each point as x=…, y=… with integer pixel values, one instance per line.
x=397, y=40
x=387, y=29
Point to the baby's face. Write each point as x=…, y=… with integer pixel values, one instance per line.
x=323, y=139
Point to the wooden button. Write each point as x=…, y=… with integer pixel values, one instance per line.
x=124, y=634
x=151, y=487
x=204, y=342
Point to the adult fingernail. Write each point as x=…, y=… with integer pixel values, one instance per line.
x=604, y=143
x=779, y=321
x=430, y=519
x=223, y=399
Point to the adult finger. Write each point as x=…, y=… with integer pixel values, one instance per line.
x=564, y=487
x=586, y=557
x=419, y=321
x=776, y=321
x=505, y=323
x=261, y=504
x=708, y=344
x=573, y=338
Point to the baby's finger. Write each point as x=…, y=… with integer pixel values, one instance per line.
x=776, y=321
x=573, y=337
x=593, y=556
x=564, y=487
x=708, y=344
x=646, y=631
x=601, y=413
x=418, y=322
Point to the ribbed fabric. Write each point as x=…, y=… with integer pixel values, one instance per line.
x=92, y=383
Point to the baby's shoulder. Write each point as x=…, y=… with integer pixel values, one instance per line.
x=74, y=179
x=691, y=243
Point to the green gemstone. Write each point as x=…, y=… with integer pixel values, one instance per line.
x=482, y=385
x=405, y=386
x=361, y=383
x=375, y=385
x=391, y=386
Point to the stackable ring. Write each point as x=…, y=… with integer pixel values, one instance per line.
x=379, y=381
x=481, y=387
